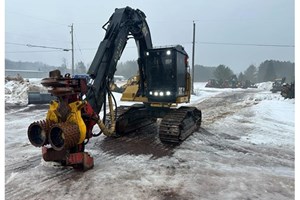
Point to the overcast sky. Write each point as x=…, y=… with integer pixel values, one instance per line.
x=245, y=24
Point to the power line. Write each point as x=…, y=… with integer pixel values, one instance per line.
x=40, y=46
x=13, y=43
x=46, y=47
x=32, y=51
x=197, y=42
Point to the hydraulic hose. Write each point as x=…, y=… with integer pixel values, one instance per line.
x=104, y=116
x=109, y=131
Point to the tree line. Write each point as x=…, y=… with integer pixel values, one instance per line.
x=79, y=68
x=266, y=71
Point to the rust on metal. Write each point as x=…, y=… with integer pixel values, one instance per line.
x=38, y=132
x=64, y=136
x=63, y=86
x=49, y=154
x=81, y=161
x=63, y=111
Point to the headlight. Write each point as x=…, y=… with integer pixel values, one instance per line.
x=161, y=94
x=147, y=53
x=168, y=93
x=169, y=52
x=155, y=93
x=151, y=93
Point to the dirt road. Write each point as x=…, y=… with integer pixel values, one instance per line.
x=220, y=161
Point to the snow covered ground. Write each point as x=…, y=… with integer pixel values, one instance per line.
x=244, y=150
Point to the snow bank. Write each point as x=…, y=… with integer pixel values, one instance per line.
x=265, y=85
x=16, y=91
x=270, y=96
x=274, y=123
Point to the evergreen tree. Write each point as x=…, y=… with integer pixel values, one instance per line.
x=270, y=73
x=241, y=77
x=223, y=73
x=251, y=73
x=127, y=69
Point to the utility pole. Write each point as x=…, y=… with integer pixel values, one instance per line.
x=193, y=57
x=72, y=43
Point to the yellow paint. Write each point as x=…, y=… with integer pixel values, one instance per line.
x=75, y=117
x=52, y=113
x=130, y=94
x=183, y=99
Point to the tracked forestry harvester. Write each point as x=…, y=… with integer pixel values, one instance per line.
x=162, y=83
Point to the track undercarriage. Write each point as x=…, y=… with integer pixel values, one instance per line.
x=179, y=123
x=175, y=126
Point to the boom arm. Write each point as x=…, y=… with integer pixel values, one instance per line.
x=123, y=23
